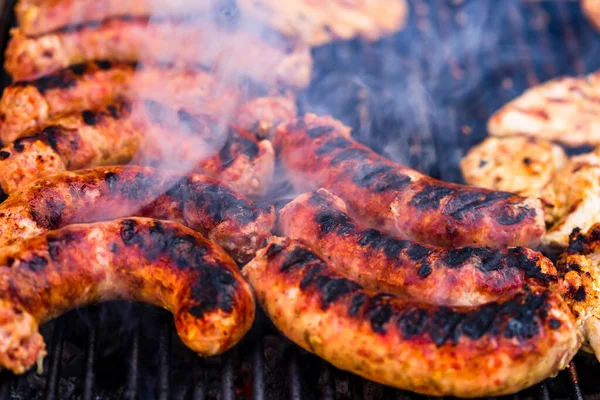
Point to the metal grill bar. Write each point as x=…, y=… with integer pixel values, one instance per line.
x=227, y=380
x=55, y=355
x=328, y=389
x=295, y=388
x=574, y=382
x=164, y=359
x=200, y=372
x=258, y=368
x=88, y=383
x=131, y=387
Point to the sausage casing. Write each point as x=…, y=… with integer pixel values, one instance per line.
x=319, y=152
x=492, y=349
x=157, y=262
x=382, y=262
x=104, y=193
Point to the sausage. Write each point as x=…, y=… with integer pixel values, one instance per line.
x=283, y=63
x=382, y=262
x=158, y=262
x=87, y=139
x=492, y=349
x=103, y=193
x=578, y=268
x=115, y=135
x=26, y=105
x=319, y=152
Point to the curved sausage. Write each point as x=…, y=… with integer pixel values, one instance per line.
x=319, y=152
x=437, y=275
x=492, y=349
x=202, y=203
x=157, y=262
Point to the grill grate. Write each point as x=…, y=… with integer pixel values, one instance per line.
x=429, y=103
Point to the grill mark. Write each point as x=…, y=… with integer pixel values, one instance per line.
x=50, y=135
x=298, y=258
x=368, y=174
x=220, y=202
x=508, y=216
x=333, y=144
x=358, y=300
x=580, y=295
x=112, y=180
x=214, y=289
x=330, y=221
x=430, y=197
x=349, y=154
x=35, y=263
x=89, y=117
x=234, y=145
x=467, y=201
x=417, y=252
x=49, y=215
x=78, y=69
x=4, y=155
x=104, y=65
x=333, y=289
x=59, y=80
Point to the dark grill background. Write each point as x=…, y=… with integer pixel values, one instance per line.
x=421, y=97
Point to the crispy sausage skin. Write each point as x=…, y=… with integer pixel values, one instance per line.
x=157, y=262
x=282, y=63
x=492, y=349
x=202, y=203
x=117, y=135
x=319, y=152
x=381, y=262
x=87, y=139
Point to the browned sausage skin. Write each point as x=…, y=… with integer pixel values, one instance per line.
x=157, y=262
x=378, y=261
x=319, y=152
x=492, y=349
x=103, y=193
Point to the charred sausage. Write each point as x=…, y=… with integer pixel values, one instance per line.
x=115, y=135
x=157, y=262
x=382, y=262
x=492, y=349
x=104, y=193
x=319, y=152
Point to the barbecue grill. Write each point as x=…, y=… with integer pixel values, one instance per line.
x=421, y=97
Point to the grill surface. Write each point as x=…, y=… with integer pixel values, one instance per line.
x=422, y=97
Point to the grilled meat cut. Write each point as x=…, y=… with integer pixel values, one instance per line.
x=182, y=44
x=157, y=262
x=87, y=139
x=26, y=105
x=313, y=23
x=563, y=110
x=319, y=152
x=380, y=262
x=116, y=134
x=519, y=164
x=579, y=266
x=103, y=193
x=492, y=349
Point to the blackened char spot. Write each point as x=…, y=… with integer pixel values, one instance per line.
x=333, y=289
x=443, y=326
x=518, y=257
x=78, y=69
x=319, y=131
x=368, y=174
x=417, y=252
x=273, y=250
x=454, y=258
x=333, y=144
x=391, y=180
x=424, y=270
x=467, y=201
x=554, y=324
x=220, y=203
x=476, y=325
x=58, y=242
x=522, y=315
x=103, y=65
x=298, y=258
x=580, y=294
x=348, y=155
x=35, y=263
x=379, y=314
x=4, y=155
x=50, y=215
x=392, y=247
x=430, y=197
x=18, y=145
x=311, y=275
x=112, y=180
x=356, y=303
x=113, y=111
x=330, y=221
x=235, y=145
x=370, y=237
x=140, y=187
x=576, y=242
x=413, y=323
x=214, y=289
x=50, y=134
x=128, y=234
x=58, y=80
x=89, y=117
x=513, y=215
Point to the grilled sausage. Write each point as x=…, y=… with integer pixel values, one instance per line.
x=492, y=349
x=36, y=17
x=87, y=139
x=183, y=44
x=380, y=262
x=579, y=267
x=26, y=105
x=224, y=216
x=115, y=135
x=319, y=152
x=157, y=262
